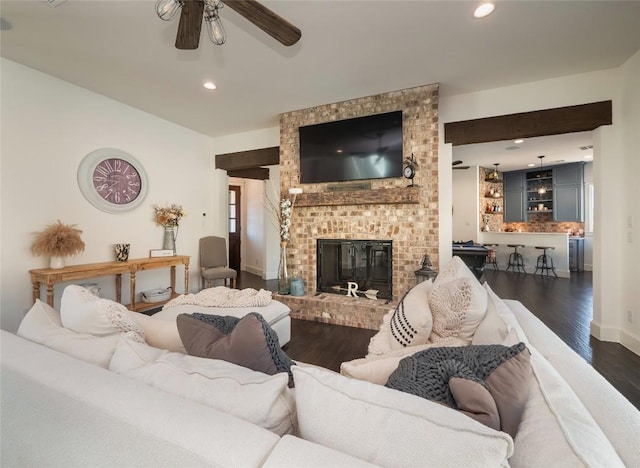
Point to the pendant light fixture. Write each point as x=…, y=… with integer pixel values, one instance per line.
x=541, y=189
x=496, y=176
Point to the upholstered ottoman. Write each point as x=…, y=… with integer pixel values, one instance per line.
x=275, y=313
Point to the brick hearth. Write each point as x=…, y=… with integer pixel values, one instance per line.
x=338, y=310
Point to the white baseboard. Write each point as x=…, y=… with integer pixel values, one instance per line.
x=252, y=270
x=630, y=341
x=604, y=333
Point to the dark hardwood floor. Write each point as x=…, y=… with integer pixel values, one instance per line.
x=565, y=305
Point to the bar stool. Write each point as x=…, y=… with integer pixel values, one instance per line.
x=545, y=262
x=515, y=259
x=491, y=256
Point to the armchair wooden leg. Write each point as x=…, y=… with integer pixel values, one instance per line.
x=233, y=283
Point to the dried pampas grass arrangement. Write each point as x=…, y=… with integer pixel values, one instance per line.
x=59, y=240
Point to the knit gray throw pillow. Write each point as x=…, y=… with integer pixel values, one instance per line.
x=489, y=383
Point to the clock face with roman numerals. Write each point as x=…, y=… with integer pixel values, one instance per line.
x=116, y=181
x=112, y=180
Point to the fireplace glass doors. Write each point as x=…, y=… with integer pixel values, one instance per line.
x=365, y=262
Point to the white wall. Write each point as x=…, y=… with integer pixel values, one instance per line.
x=259, y=243
x=616, y=275
x=630, y=224
x=48, y=126
x=466, y=212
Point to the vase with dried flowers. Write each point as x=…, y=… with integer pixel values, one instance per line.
x=169, y=217
x=58, y=241
x=284, y=219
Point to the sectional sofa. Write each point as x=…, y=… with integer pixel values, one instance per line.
x=110, y=399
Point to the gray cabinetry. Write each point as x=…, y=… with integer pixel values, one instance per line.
x=514, y=197
x=576, y=254
x=568, y=203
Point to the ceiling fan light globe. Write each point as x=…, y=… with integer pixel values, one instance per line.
x=167, y=9
x=215, y=30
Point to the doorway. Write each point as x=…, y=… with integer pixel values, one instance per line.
x=235, y=227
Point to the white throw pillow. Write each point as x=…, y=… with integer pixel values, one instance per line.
x=42, y=325
x=377, y=369
x=493, y=329
x=391, y=428
x=161, y=334
x=504, y=312
x=457, y=306
x=83, y=312
x=409, y=324
x=264, y=400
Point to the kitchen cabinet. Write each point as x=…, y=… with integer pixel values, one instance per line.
x=576, y=254
x=568, y=204
x=539, y=191
x=514, y=196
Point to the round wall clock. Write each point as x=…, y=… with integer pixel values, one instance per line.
x=112, y=180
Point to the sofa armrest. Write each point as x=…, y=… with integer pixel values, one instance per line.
x=616, y=416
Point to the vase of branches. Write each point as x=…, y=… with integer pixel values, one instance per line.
x=58, y=241
x=169, y=218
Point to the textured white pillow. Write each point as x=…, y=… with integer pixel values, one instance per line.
x=264, y=400
x=506, y=315
x=83, y=312
x=161, y=334
x=409, y=324
x=42, y=325
x=456, y=268
x=391, y=428
x=457, y=307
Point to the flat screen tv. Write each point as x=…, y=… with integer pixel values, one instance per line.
x=354, y=149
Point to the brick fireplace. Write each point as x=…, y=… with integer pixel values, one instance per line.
x=387, y=210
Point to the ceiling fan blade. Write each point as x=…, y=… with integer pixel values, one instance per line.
x=461, y=167
x=456, y=162
x=188, y=36
x=271, y=23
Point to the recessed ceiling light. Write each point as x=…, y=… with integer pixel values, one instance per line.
x=518, y=141
x=484, y=10
x=209, y=85
x=531, y=165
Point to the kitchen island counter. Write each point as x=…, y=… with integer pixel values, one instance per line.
x=558, y=240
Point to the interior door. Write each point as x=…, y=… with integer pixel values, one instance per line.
x=234, y=227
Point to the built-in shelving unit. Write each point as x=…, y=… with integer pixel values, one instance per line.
x=539, y=191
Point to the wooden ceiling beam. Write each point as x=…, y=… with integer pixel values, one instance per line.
x=570, y=119
x=248, y=159
x=256, y=173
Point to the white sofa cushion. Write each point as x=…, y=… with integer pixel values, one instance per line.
x=556, y=429
x=293, y=452
x=42, y=325
x=83, y=312
x=253, y=396
x=614, y=414
x=391, y=428
x=99, y=403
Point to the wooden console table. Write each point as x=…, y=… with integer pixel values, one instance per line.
x=49, y=277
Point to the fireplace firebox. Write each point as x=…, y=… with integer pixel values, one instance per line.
x=365, y=262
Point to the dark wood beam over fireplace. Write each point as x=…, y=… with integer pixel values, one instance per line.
x=248, y=159
x=570, y=119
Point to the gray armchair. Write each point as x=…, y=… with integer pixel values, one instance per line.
x=213, y=261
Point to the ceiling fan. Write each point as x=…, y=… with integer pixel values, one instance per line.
x=456, y=165
x=194, y=11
